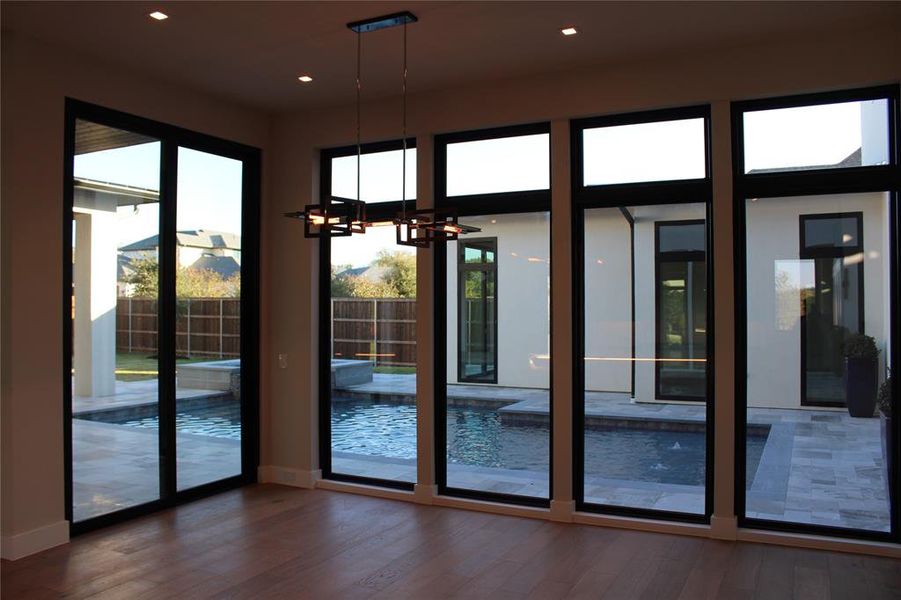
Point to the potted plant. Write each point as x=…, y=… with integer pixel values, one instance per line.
x=861, y=362
x=884, y=402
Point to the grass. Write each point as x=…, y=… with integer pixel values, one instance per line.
x=140, y=367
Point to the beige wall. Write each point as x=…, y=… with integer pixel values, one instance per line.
x=36, y=79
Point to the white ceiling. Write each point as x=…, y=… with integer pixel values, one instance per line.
x=252, y=52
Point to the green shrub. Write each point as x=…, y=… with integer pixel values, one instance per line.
x=860, y=346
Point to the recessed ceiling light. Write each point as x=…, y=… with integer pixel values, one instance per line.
x=305, y=78
x=569, y=31
x=159, y=16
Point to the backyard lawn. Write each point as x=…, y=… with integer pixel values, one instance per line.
x=138, y=367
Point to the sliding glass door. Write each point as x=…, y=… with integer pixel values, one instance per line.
x=161, y=359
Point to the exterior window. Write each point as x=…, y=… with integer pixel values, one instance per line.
x=681, y=311
x=477, y=292
x=380, y=174
x=831, y=269
x=498, y=165
x=816, y=312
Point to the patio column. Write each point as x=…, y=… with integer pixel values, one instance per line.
x=425, y=488
x=723, y=523
x=562, y=503
x=95, y=300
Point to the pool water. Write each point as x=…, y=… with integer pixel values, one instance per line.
x=221, y=422
x=476, y=436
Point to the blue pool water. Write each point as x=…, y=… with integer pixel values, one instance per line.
x=214, y=422
x=476, y=436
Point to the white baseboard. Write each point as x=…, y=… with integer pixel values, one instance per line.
x=562, y=510
x=14, y=547
x=288, y=476
x=424, y=494
x=723, y=528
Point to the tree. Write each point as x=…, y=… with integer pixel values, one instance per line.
x=189, y=283
x=400, y=272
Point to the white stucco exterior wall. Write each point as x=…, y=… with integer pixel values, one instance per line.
x=774, y=340
x=523, y=300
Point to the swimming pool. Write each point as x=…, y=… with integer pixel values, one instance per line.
x=476, y=437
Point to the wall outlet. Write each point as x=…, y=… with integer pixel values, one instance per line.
x=282, y=361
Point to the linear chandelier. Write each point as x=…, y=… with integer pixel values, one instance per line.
x=341, y=217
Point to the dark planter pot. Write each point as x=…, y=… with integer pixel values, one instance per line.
x=885, y=426
x=860, y=387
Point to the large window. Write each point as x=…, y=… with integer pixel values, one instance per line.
x=817, y=313
x=161, y=372
x=641, y=293
x=368, y=330
x=492, y=300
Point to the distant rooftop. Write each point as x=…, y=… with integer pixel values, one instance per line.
x=195, y=238
x=854, y=159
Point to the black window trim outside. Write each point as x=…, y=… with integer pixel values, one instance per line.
x=881, y=178
x=475, y=205
x=830, y=252
x=464, y=267
x=379, y=211
x=662, y=257
x=684, y=191
x=170, y=138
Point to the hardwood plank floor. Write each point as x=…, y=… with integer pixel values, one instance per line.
x=267, y=541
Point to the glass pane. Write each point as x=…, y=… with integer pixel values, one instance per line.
x=381, y=175
x=373, y=380
x=115, y=459
x=831, y=232
x=662, y=151
x=645, y=433
x=817, y=445
x=510, y=164
x=681, y=237
x=498, y=353
x=826, y=136
x=208, y=318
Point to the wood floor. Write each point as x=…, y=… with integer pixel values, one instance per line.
x=268, y=541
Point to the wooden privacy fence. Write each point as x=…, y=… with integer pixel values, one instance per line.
x=204, y=326
x=382, y=330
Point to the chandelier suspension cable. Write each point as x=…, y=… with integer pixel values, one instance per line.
x=403, y=186
x=359, y=147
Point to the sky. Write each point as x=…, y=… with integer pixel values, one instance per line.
x=210, y=186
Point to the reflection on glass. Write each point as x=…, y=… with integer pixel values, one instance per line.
x=645, y=274
x=208, y=318
x=817, y=278
x=826, y=136
x=115, y=463
x=373, y=365
x=498, y=356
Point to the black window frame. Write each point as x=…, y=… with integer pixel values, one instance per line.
x=621, y=195
x=659, y=258
x=171, y=138
x=818, y=182
x=464, y=267
x=829, y=252
x=379, y=211
x=476, y=205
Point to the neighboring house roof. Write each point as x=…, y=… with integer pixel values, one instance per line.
x=225, y=266
x=123, y=267
x=198, y=238
x=369, y=272
x=852, y=160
